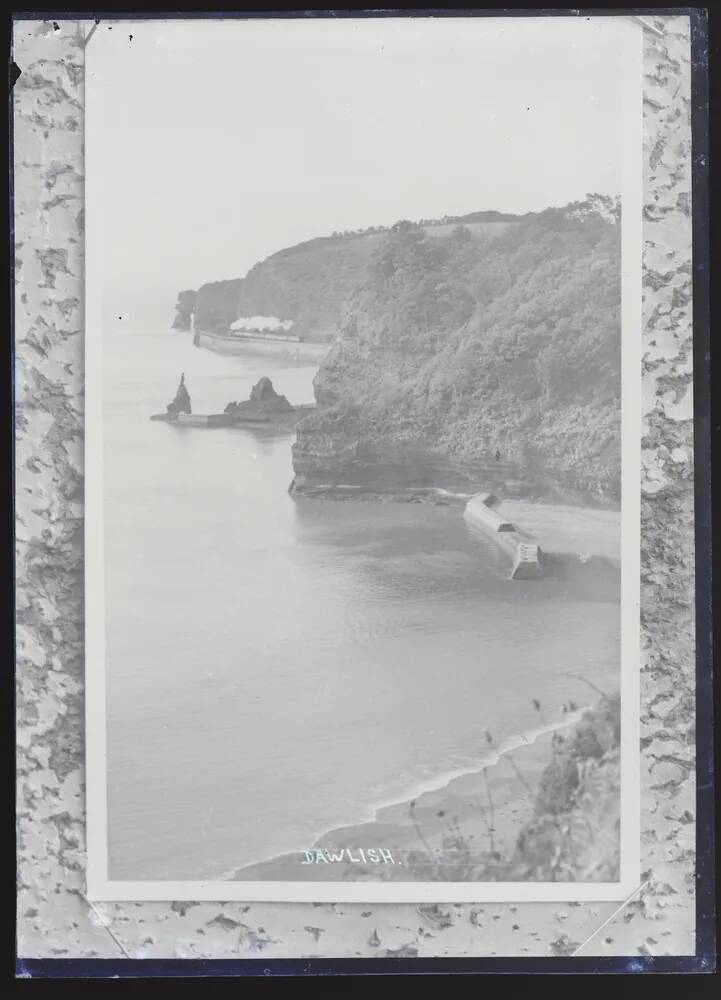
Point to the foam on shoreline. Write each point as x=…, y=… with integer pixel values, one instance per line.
x=383, y=811
x=494, y=757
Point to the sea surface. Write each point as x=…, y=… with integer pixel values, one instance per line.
x=279, y=667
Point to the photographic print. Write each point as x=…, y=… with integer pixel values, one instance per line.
x=363, y=419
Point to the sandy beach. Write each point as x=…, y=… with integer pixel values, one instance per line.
x=562, y=528
x=443, y=833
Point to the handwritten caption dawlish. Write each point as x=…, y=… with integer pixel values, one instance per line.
x=357, y=856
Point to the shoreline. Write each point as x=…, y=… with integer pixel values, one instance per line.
x=578, y=539
x=435, y=478
x=485, y=805
x=440, y=496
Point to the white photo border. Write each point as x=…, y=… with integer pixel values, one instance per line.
x=99, y=886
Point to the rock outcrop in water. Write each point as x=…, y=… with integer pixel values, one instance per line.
x=478, y=359
x=181, y=400
x=263, y=401
x=184, y=309
x=263, y=390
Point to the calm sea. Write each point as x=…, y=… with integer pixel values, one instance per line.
x=277, y=667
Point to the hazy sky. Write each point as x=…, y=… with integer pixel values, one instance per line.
x=223, y=141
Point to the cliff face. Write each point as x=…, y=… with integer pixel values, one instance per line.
x=184, y=309
x=309, y=284
x=482, y=357
x=216, y=304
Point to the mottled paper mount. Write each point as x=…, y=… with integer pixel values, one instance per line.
x=55, y=919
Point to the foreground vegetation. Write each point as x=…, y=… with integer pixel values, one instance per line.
x=574, y=832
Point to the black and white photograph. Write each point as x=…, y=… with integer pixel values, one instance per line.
x=362, y=420
x=362, y=458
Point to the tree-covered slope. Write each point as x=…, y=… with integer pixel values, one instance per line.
x=309, y=283
x=500, y=352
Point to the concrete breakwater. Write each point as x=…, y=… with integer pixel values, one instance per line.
x=482, y=512
x=576, y=546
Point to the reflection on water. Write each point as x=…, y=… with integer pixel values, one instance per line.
x=278, y=666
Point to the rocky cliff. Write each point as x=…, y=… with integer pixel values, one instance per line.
x=309, y=284
x=478, y=356
x=184, y=309
x=216, y=304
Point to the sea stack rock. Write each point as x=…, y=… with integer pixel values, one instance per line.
x=263, y=392
x=184, y=309
x=264, y=402
x=181, y=402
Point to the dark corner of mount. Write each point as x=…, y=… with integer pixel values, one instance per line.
x=14, y=72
